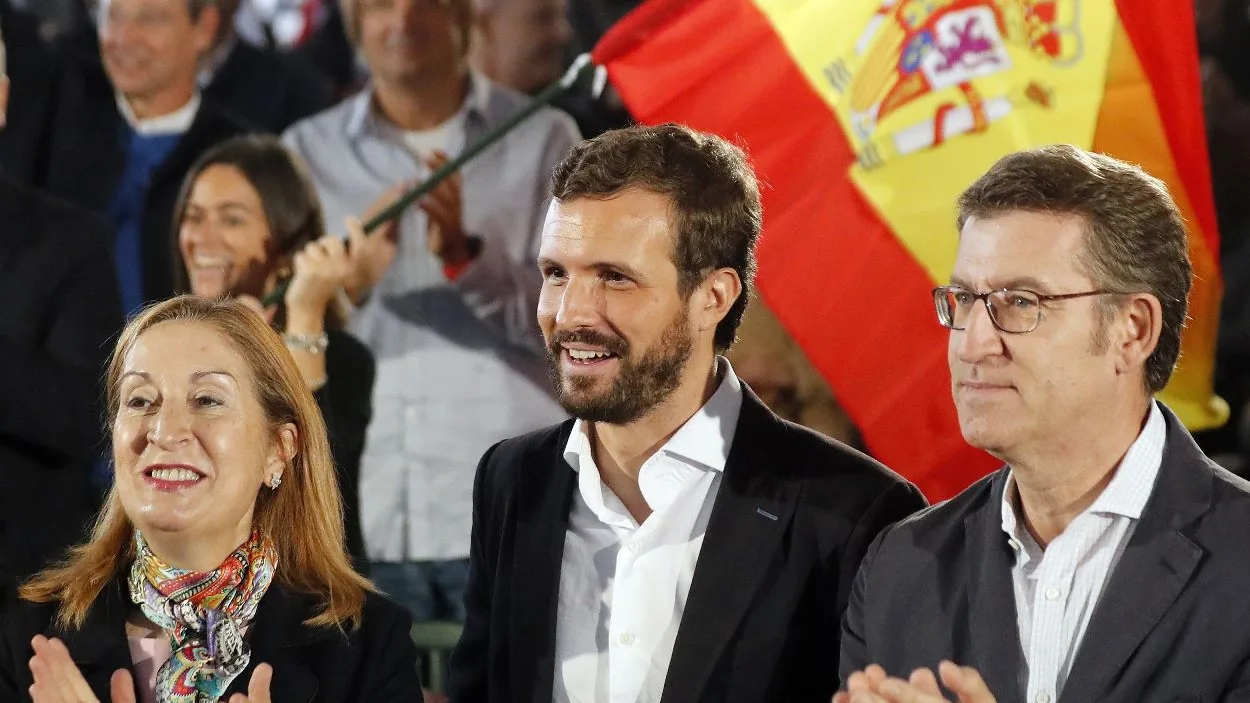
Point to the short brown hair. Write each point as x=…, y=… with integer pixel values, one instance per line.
x=461, y=11
x=711, y=188
x=1135, y=239
x=304, y=518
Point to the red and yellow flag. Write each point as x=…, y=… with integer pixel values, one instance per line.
x=866, y=118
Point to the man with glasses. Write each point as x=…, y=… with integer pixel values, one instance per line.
x=1107, y=560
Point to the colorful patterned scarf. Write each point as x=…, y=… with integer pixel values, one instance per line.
x=204, y=614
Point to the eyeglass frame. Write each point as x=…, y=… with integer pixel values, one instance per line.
x=989, y=309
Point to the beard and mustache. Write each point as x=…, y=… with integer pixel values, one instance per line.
x=640, y=384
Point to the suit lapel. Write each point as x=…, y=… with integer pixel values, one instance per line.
x=752, y=511
x=542, y=518
x=1155, y=567
x=992, y=599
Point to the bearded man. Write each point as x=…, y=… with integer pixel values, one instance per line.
x=675, y=540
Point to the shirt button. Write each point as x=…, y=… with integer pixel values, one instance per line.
x=1051, y=594
x=632, y=546
x=1042, y=698
x=627, y=638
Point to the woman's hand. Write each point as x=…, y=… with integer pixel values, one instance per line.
x=58, y=680
x=257, y=687
x=321, y=269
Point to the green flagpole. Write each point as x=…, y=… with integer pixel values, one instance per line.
x=579, y=67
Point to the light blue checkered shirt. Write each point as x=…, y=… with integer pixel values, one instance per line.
x=460, y=364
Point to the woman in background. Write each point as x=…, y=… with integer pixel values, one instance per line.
x=248, y=219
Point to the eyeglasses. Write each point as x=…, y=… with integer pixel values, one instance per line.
x=1011, y=310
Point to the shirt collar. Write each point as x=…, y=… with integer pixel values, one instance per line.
x=1128, y=491
x=1134, y=480
x=363, y=118
x=702, y=442
x=176, y=122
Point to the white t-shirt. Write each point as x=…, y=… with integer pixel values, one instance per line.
x=447, y=137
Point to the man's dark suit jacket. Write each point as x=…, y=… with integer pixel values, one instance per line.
x=87, y=160
x=793, y=516
x=61, y=313
x=33, y=75
x=1172, y=624
x=376, y=663
x=266, y=90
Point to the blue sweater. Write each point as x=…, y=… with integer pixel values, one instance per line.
x=143, y=154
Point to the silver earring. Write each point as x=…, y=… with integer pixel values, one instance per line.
x=275, y=481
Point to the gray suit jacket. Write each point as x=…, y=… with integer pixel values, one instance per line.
x=1173, y=623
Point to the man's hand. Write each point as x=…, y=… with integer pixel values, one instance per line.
x=445, y=235
x=873, y=685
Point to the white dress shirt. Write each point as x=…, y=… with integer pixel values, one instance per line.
x=623, y=586
x=1057, y=589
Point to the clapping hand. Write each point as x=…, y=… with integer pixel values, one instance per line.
x=58, y=680
x=873, y=685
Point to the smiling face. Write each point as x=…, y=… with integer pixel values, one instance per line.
x=191, y=442
x=523, y=43
x=151, y=48
x=619, y=334
x=1018, y=392
x=224, y=236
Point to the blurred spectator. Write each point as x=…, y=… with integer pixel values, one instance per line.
x=248, y=218
x=526, y=44
x=590, y=19
x=521, y=44
x=268, y=90
x=61, y=308
x=122, y=142
x=1224, y=35
x=310, y=31
x=770, y=361
x=451, y=321
x=279, y=24
x=1223, y=31
x=56, y=18
x=32, y=82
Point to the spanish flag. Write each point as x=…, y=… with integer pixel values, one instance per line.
x=866, y=118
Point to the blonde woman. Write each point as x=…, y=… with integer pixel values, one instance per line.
x=221, y=544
